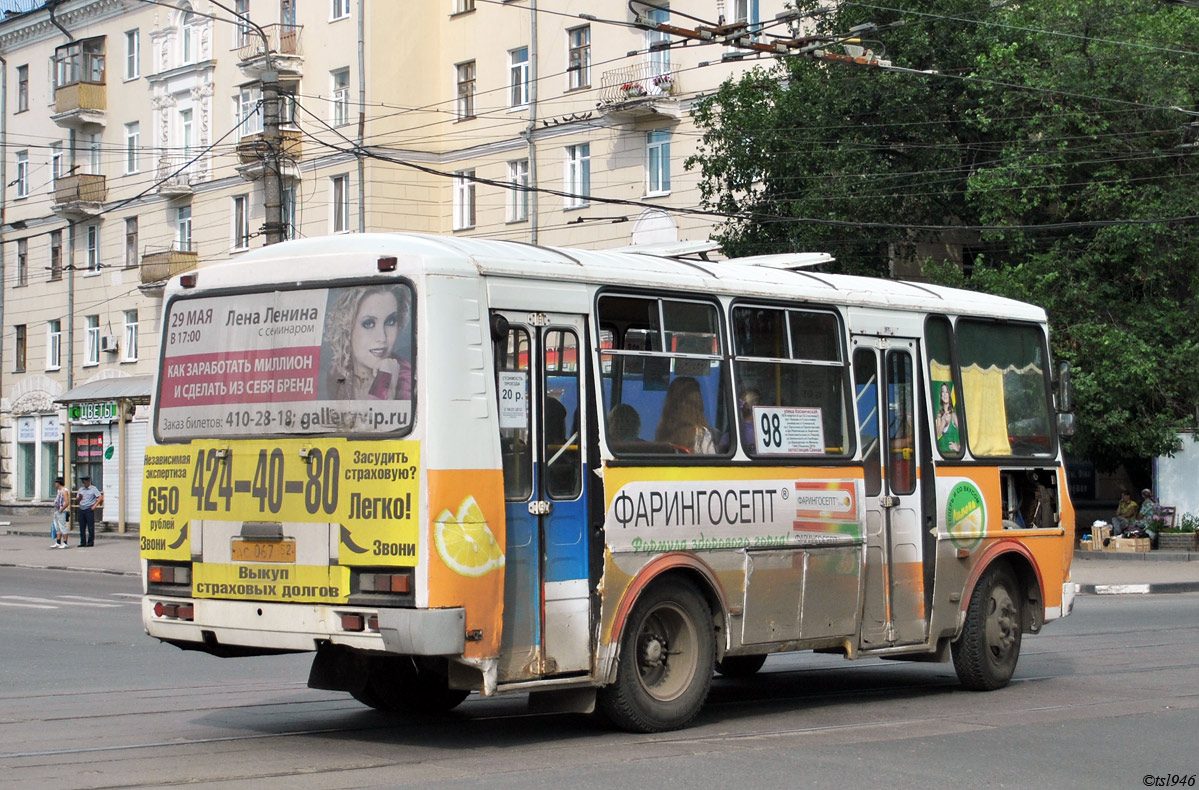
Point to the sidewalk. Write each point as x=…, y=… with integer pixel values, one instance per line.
x=25, y=543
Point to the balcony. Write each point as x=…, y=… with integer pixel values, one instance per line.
x=79, y=196
x=282, y=51
x=80, y=105
x=174, y=178
x=252, y=152
x=641, y=91
x=158, y=267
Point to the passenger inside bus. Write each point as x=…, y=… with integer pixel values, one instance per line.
x=683, y=423
x=624, y=424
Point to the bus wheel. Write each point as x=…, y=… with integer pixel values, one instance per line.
x=740, y=666
x=403, y=684
x=667, y=654
x=985, y=655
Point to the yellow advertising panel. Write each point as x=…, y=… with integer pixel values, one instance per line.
x=369, y=488
x=283, y=583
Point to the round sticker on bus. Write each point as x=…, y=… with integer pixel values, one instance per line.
x=965, y=515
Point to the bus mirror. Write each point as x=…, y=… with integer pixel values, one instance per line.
x=1063, y=388
x=499, y=328
x=1065, y=424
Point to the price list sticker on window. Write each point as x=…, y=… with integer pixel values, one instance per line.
x=514, y=399
x=788, y=431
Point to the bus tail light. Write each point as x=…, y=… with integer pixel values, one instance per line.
x=175, y=611
x=169, y=574
x=352, y=622
x=189, y=280
x=385, y=582
x=387, y=263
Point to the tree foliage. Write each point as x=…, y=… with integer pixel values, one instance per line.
x=1057, y=142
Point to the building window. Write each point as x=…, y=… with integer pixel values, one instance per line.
x=183, y=228
x=133, y=144
x=133, y=54
x=241, y=222
x=341, y=10
x=657, y=43
x=91, y=145
x=53, y=345
x=747, y=11
x=577, y=183
x=657, y=162
x=22, y=262
x=130, y=242
x=22, y=345
x=56, y=255
x=578, y=62
x=464, y=199
x=22, y=88
x=93, y=248
x=79, y=61
x=185, y=133
x=247, y=110
x=518, y=195
x=518, y=77
x=22, y=174
x=242, y=33
x=289, y=213
x=466, y=90
x=340, y=186
x=130, y=336
x=341, y=97
x=462, y=6
x=190, y=35
x=56, y=161
x=91, y=340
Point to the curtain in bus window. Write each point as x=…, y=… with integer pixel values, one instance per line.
x=986, y=416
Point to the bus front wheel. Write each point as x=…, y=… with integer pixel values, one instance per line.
x=403, y=684
x=985, y=655
x=667, y=654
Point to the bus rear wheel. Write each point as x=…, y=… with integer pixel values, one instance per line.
x=667, y=654
x=985, y=655
x=740, y=666
x=408, y=684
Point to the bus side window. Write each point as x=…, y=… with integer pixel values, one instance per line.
x=865, y=375
x=512, y=370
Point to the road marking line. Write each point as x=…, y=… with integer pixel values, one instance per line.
x=60, y=602
x=26, y=605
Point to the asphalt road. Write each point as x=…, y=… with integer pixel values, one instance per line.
x=1101, y=699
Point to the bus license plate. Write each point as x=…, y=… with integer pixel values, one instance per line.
x=264, y=551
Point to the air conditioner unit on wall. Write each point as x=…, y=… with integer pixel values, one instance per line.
x=108, y=343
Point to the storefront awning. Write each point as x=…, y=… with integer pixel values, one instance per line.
x=134, y=389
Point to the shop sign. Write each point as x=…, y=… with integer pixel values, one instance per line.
x=51, y=429
x=90, y=413
x=26, y=429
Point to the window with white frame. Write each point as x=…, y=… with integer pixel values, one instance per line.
x=91, y=340
x=578, y=60
x=462, y=6
x=341, y=96
x=186, y=131
x=130, y=242
x=340, y=10
x=133, y=54
x=57, y=162
x=657, y=162
x=247, y=110
x=133, y=144
x=183, y=228
x=241, y=222
x=464, y=199
x=339, y=187
x=53, y=344
x=746, y=11
x=189, y=32
x=22, y=88
x=91, y=146
x=22, y=262
x=93, y=249
x=577, y=181
x=22, y=174
x=657, y=43
x=518, y=77
x=289, y=213
x=56, y=255
x=518, y=193
x=465, y=74
x=242, y=34
x=130, y=335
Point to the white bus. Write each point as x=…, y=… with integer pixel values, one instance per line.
x=447, y=465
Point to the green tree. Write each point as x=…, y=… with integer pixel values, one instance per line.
x=1047, y=139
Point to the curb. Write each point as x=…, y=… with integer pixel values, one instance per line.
x=29, y=566
x=1138, y=589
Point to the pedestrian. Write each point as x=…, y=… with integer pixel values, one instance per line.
x=90, y=498
x=59, y=521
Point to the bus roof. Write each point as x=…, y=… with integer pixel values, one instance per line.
x=771, y=276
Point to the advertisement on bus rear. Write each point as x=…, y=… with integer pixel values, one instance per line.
x=298, y=362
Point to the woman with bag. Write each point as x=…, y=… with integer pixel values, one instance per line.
x=60, y=514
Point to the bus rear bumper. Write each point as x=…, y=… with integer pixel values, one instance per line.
x=423, y=632
x=1069, y=590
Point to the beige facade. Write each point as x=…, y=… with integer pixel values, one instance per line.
x=132, y=138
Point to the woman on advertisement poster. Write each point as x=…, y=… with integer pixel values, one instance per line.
x=362, y=330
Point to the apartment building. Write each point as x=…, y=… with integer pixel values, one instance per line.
x=134, y=149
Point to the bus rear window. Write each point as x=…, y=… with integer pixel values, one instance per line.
x=294, y=362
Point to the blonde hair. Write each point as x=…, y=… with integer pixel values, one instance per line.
x=342, y=379
x=682, y=414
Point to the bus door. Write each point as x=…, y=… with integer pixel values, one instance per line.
x=542, y=422
x=886, y=391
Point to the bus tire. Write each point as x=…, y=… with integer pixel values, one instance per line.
x=667, y=654
x=985, y=654
x=403, y=684
x=740, y=666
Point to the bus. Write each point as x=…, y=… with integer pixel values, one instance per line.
x=445, y=465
